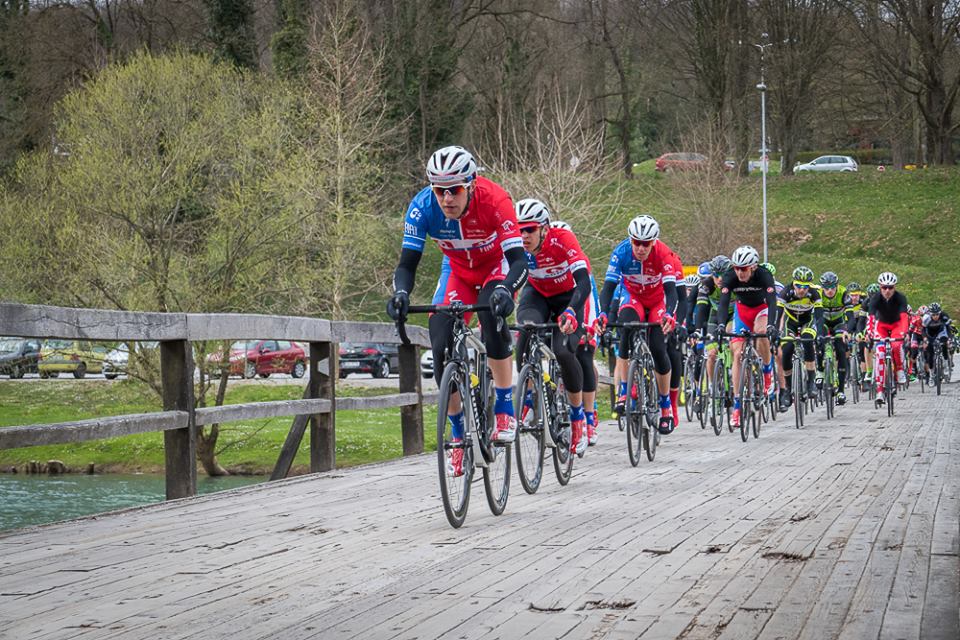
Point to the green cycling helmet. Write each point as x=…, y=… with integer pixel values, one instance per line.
x=873, y=288
x=769, y=267
x=854, y=287
x=803, y=275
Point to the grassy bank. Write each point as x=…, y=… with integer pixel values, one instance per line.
x=248, y=446
x=856, y=224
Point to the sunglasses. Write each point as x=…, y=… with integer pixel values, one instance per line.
x=530, y=229
x=801, y=286
x=741, y=268
x=453, y=189
x=642, y=243
x=886, y=287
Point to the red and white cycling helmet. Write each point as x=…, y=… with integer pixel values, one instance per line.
x=451, y=165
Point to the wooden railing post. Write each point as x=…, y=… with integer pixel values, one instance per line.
x=323, y=440
x=180, y=445
x=411, y=416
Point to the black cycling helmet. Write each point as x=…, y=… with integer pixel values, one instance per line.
x=829, y=280
x=719, y=265
x=935, y=308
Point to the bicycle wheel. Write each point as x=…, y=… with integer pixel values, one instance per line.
x=922, y=371
x=855, y=378
x=759, y=398
x=798, y=393
x=717, y=398
x=634, y=415
x=689, y=386
x=559, y=417
x=889, y=384
x=651, y=434
x=938, y=371
x=530, y=444
x=828, y=396
x=455, y=490
x=745, y=392
x=703, y=396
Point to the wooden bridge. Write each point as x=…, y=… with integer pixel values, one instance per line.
x=843, y=529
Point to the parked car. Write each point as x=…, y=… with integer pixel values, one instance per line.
x=680, y=161
x=19, y=356
x=78, y=357
x=249, y=358
x=379, y=359
x=118, y=360
x=426, y=363
x=828, y=163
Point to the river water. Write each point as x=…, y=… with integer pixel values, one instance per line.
x=36, y=499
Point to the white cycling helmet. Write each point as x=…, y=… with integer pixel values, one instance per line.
x=451, y=165
x=644, y=228
x=745, y=256
x=692, y=281
x=887, y=279
x=532, y=210
x=560, y=224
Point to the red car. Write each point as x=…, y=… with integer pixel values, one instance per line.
x=680, y=161
x=249, y=358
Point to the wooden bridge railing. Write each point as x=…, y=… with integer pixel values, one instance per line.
x=180, y=420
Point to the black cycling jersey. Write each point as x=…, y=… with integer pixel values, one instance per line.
x=888, y=311
x=760, y=288
x=932, y=328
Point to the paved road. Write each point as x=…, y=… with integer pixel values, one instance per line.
x=847, y=529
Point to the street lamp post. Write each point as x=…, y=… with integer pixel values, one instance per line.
x=764, y=160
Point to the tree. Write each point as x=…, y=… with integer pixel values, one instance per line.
x=231, y=30
x=178, y=185
x=802, y=33
x=290, y=40
x=929, y=69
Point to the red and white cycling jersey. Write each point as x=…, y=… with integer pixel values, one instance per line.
x=550, y=272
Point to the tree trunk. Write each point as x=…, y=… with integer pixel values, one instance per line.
x=207, y=441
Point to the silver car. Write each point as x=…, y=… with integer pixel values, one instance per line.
x=828, y=163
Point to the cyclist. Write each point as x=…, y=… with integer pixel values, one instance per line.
x=914, y=337
x=837, y=311
x=936, y=325
x=708, y=298
x=857, y=314
x=865, y=326
x=889, y=309
x=647, y=268
x=773, y=271
x=801, y=316
x=558, y=286
x=473, y=222
x=754, y=311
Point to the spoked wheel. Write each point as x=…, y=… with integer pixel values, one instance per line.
x=829, y=397
x=651, y=434
x=496, y=478
x=703, y=397
x=559, y=417
x=530, y=443
x=938, y=372
x=634, y=418
x=718, y=397
x=798, y=395
x=689, y=388
x=761, y=399
x=747, y=407
x=454, y=489
x=889, y=385
x=854, y=373
x=922, y=372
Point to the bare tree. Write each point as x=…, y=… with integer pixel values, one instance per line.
x=928, y=69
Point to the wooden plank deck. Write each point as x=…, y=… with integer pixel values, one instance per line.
x=847, y=529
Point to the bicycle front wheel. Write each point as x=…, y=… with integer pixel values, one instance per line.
x=938, y=372
x=530, y=444
x=760, y=398
x=559, y=416
x=496, y=479
x=454, y=481
x=747, y=408
x=703, y=396
x=689, y=387
x=798, y=393
x=634, y=413
x=889, y=384
x=828, y=396
x=718, y=397
x=651, y=434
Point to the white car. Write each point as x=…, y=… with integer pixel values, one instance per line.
x=828, y=163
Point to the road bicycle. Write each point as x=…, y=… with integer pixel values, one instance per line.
x=642, y=408
x=802, y=404
x=884, y=368
x=750, y=390
x=543, y=410
x=467, y=382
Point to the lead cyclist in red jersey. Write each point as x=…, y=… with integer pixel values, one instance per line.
x=473, y=222
x=889, y=308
